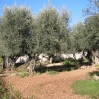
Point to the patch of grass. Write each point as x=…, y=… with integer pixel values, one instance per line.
x=87, y=87
x=9, y=92
x=93, y=73
x=1, y=60
x=85, y=60
x=23, y=74
x=52, y=72
x=70, y=64
x=15, y=66
x=14, y=93
x=38, y=73
x=70, y=68
x=97, y=65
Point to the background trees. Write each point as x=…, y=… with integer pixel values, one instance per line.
x=92, y=31
x=78, y=38
x=92, y=24
x=85, y=36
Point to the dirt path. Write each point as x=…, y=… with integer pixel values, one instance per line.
x=46, y=86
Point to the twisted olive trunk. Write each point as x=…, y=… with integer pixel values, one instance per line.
x=32, y=66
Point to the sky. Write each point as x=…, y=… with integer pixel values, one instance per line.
x=75, y=6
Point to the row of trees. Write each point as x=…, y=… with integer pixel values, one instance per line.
x=23, y=33
x=49, y=32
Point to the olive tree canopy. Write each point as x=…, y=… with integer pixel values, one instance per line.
x=52, y=29
x=15, y=27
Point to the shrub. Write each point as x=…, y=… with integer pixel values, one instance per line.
x=69, y=62
x=85, y=60
x=94, y=75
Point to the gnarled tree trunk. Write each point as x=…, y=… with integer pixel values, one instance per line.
x=7, y=63
x=32, y=66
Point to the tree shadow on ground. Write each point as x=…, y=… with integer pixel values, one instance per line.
x=43, y=69
x=68, y=66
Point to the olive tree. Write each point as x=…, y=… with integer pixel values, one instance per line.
x=92, y=31
x=92, y=24
x=64, y=34
x=53, y=29
x=78, y=37
x=21, y=33
x=15, y=27
x=50, y=32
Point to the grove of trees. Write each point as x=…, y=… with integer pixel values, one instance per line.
x=48, y=32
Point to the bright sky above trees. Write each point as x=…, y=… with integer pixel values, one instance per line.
x=75, y=6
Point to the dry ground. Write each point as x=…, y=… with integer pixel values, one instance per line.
x=45, y=86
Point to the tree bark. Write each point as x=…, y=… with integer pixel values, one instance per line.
x=32, y=67
x=3, y=65
x=6, y=63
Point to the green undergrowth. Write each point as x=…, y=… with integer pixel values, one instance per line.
x=9, y=92
x=52, y=72
x=23, y=74
x=87, y=87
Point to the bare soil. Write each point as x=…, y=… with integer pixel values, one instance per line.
x=45, y=86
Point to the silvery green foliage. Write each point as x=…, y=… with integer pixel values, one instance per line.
x=15, y=30
x=78, y=38
x=92, y=24
x=54, y=29
x=85, y=36
x=92, y=31
x=22, y=33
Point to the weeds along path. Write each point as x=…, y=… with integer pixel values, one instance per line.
x=45, y=86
